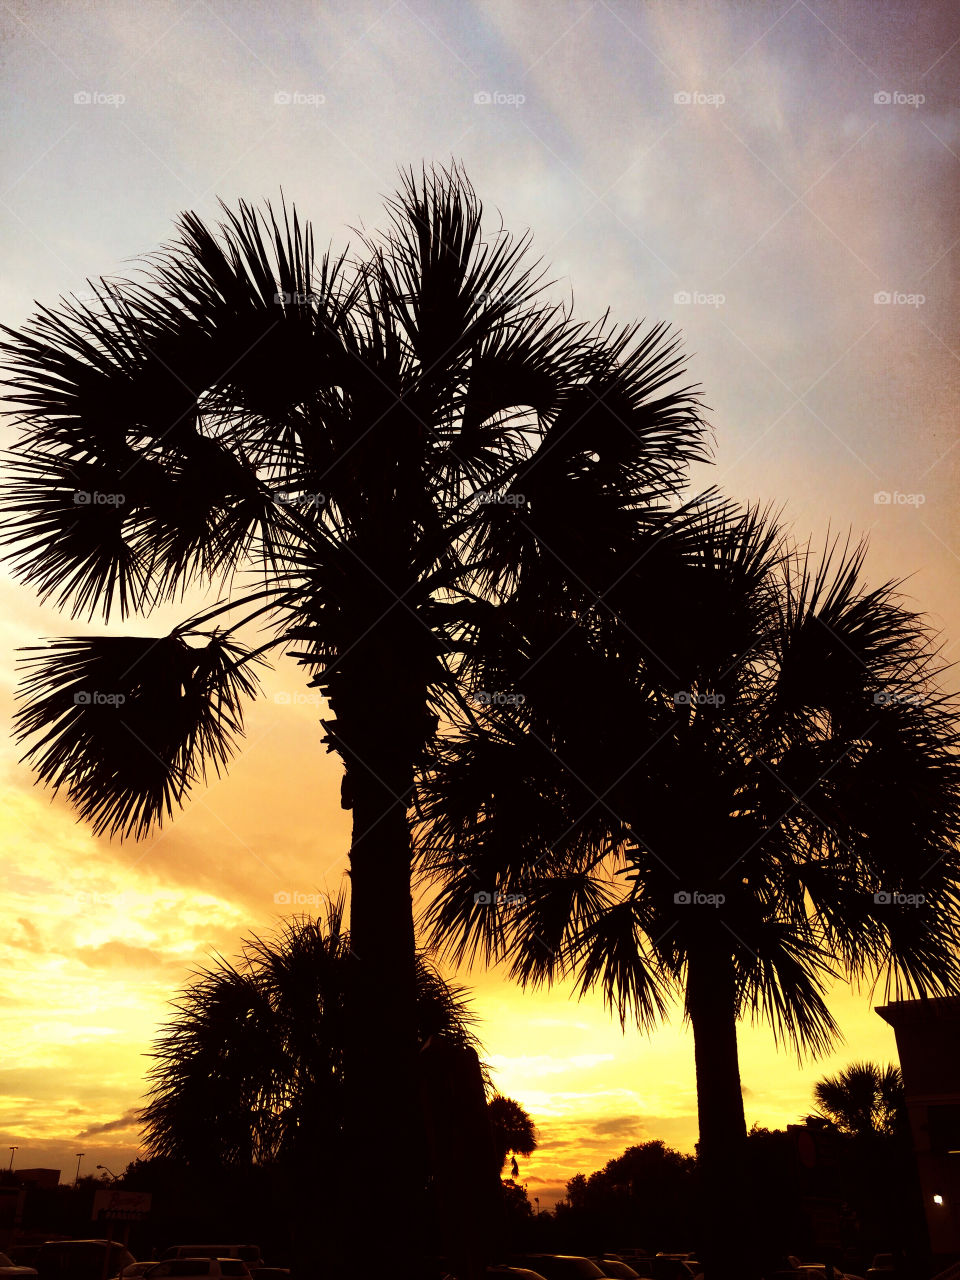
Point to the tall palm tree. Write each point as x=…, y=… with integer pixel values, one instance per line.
x=730, y=778
x=351, y=432
x=864, y=1099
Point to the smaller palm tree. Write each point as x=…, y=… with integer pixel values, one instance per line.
x=250, y=1071
x=513, y=1130
x=863, y=1100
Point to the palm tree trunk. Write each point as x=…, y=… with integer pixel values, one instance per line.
x=379, y=1208
x=726, y=1244
x=382, y=1092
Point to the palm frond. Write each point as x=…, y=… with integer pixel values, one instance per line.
x=129, y=724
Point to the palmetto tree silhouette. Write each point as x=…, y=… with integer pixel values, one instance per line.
x=729, y=779
x=513, y=1130
x=378, y=441
x=250, y=1069
x=864, y=1099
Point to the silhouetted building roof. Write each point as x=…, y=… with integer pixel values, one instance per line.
x=39, y=1177
x=928, y=1042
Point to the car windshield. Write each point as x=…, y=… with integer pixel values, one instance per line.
x=232, y=1267
x=5, y=1261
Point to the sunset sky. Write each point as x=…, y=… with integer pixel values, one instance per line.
x=763, y=175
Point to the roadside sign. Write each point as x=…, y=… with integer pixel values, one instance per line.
x=121, y=1206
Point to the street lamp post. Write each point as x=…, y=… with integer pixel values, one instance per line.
x=115, y=1176
x=80, y=1155
x=10, y=1165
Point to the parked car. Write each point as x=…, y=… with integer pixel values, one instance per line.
x=81, y=1259
x=23, y=1255
x=882, y=1265
x=513, y=1273
x=8, y=1268
x=561, y=1266
x=198, y=1269
x=616, y=1269
x=268, y=1273
x=248, y=1253
x=135, y=1270
x=676, y=1266
x=641, y=1262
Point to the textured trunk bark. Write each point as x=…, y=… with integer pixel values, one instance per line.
x=378, y=731
x=727, y=1240
x=383, y=1129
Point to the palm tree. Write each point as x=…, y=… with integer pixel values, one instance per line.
x=513, y=1130
x=250, y=1071
x=723, y=783
x=864, y=1099
x=357, y=434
